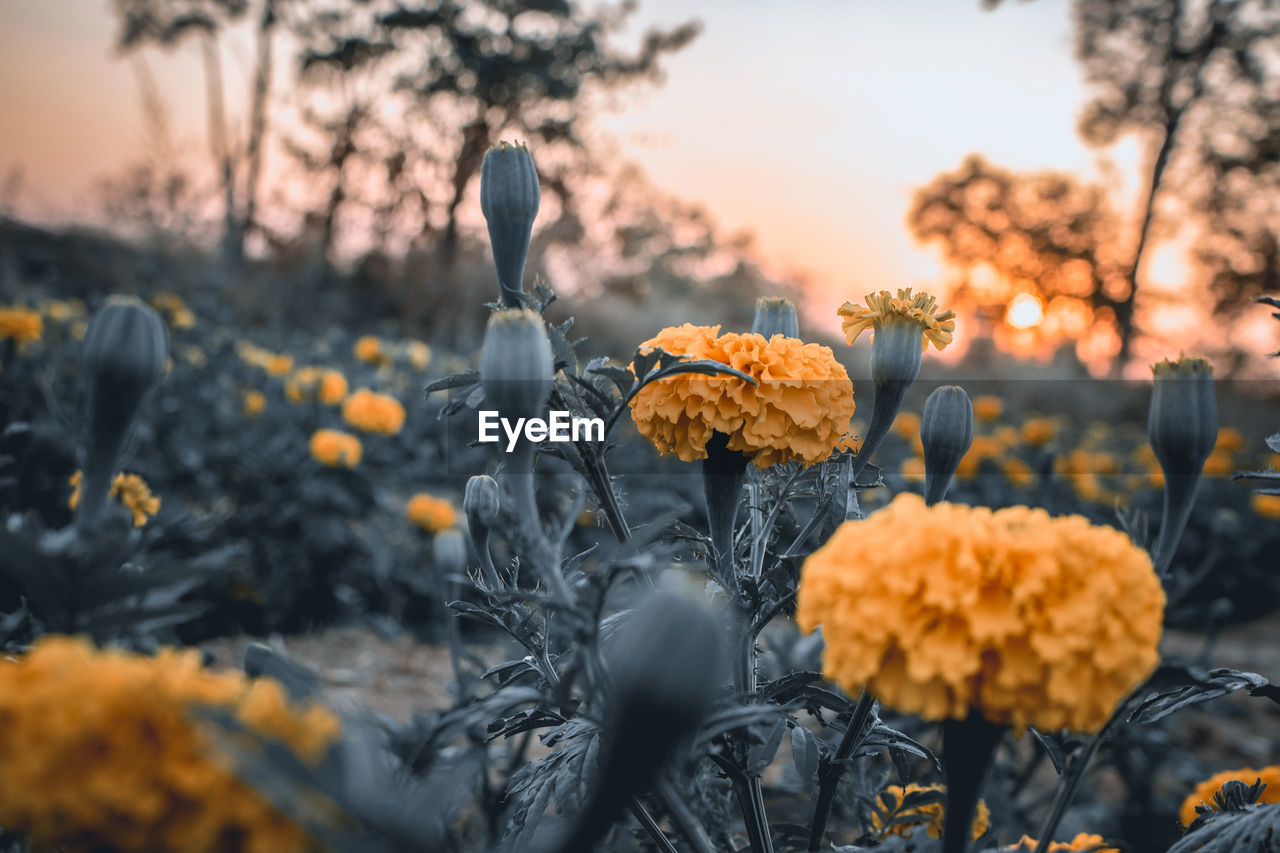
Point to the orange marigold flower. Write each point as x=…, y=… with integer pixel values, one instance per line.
x=912, y=469
x=1028, y=620
x=431, y=513
x=369, y=350
x=20, y=325
x=1018, y=473
x=907, y=425
x=987, y=408
x=1038, y=432
x=372, y=412
x=1267, y=506
x=279, y=365
x=1229, y=440
x=922, y=309
x=104, y=750
x=131, y=490
x=1219, y=464
x=255, y=403
x=1203, y=794
x=887, y=818
x=798, y=411
x=419, y=354
x=1082, y=842
x=333, y=448
x=333, y=388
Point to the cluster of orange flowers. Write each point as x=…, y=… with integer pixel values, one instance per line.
x=1080, y=844
x=431, y=513
x=102, y=749
x=130, y=489
x=930, y=816
x=799, y=410
x=326, y=385
x=20, y=325
x=372, y=412
x=1203, y=794
x=336, y=448
x=179, y=315
x=275, y=364
x=1027, y=619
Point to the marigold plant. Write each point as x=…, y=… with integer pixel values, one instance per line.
x=1027, y=619
x=798, y=411
x=1203, y=794
x=130, y=490
x=371, y=412
x=103, y=749
x=333, y=388
x=930, y=816
x=431, y=513
x=336, y=448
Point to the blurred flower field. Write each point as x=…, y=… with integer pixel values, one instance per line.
x=782, y=606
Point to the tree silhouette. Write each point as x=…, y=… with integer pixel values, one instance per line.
x=1044, y=233
x=468, y=73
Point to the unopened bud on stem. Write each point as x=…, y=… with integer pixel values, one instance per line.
x=776, y=317
x=509, y=199
x=946, y=431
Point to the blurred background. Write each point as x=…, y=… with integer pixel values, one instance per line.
x=1091, y=184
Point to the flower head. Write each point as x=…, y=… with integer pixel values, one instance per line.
x=369, y=350
x=1203, y=794
x=431, y=513
x=1086, y=842
x=891, y=818
x=335, y=448
x=20, y=325
x=254, y=403
x=103, y=749
x=1026, y=619
x=883, y=310
x=130, y=489
x=371, y=412
x=799, y=410
x=988, y=408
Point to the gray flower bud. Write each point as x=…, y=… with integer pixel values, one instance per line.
x=481, y=501
x=509, y=199
x=449, y=550
x=516, y=367
x=776, y=317
x=946, y=431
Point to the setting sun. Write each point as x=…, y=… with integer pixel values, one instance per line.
x=1024, y=311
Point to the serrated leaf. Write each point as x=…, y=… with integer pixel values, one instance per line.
x=804, y=753
x=1273, y=441
x=457, y=380
x=1191, y=685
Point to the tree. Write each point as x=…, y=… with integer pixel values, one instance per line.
x=1045, y=234
x=492, y=67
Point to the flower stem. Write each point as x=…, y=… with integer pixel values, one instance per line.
x=831, y=772
x=968, y=747
x=722, y=474
x=1179, y=496
x=1074, y=775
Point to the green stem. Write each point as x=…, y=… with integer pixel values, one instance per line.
x=968, y=747
x=722, y=474
x=1179, y=497
x=1074, y=775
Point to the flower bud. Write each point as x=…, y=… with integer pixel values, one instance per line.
x=1182, y=426
x=776, y=317
x=122, y=358
x=946, y=431
x=481, y=501
x=449, y=550
x=666, y=661
x=509, y=198
x=516, y=366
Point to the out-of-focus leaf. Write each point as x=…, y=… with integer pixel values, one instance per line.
x=1183, y=686
x=804, y=752
x=1254, y=829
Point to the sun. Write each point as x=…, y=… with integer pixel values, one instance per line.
x=1024, y=311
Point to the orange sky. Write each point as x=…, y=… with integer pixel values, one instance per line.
x=809, y=122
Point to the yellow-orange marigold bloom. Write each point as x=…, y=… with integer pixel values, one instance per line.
x=1203, y=794
x=1027, y=619
x=987, y=408
x=930, y=816
x=1219, y=464
x=369, y=350
x=798, y=411
x=1082, y=842
x=912, y=469
x=419, y=354
x=907, y=425
x=431, y=513
x=1017, y=473
x=1229, y=440
x=922, y=308
x=104, y=750
x=1038, y=432
x=255, y=403
x=371, y=412
x=334, y=448
x=279, y=365
x=131, y=490
x=1267, y=506
x=333, y=388
x=21, y=325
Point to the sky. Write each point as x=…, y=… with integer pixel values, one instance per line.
x=807, y=122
